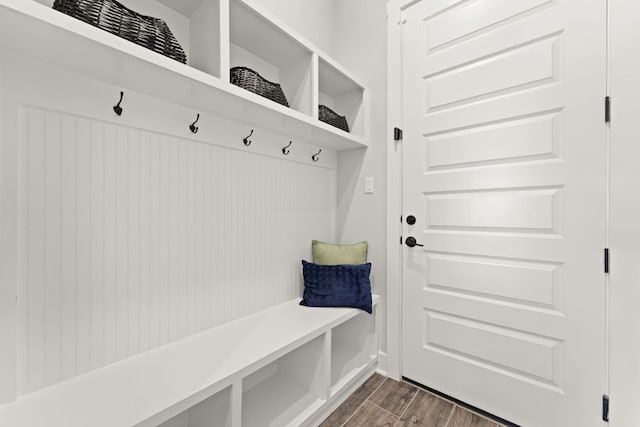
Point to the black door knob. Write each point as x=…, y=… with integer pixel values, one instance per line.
x=411, y=220
x=411, y=242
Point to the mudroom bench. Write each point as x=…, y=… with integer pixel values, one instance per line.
x=286, y=365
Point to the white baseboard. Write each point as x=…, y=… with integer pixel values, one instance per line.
x=382, y=363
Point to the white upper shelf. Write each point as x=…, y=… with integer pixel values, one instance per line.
x=33, y=31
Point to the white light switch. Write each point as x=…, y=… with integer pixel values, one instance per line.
x=368, y=185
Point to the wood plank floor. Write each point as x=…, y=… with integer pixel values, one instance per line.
x=384, y=402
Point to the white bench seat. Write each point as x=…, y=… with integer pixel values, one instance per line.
x=154, y=386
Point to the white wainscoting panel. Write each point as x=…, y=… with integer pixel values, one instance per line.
x=136, y=238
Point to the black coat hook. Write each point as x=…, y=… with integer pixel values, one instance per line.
x=316, y=157
x=246, y=139
x=193, y=126
x=285, y=150
x=118, y=108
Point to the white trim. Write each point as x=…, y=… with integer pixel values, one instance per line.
x=624, y=368
x=394, y=192
x=224, y=44
x=400, y=5
x=382, y=364
x=10, y=211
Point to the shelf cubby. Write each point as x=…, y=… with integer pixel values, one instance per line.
x=285, y=391
x=194, y=23
x=353, y=346
x=342, y=94
x=214, y=38
x=273, y=368
x=213, y=411
x=258, y=44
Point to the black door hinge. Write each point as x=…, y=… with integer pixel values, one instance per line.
x=607, y=109
x=397, y=134
x=606, y=260
x=605, y=408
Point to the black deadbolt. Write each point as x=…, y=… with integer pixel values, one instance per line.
x=411, y=220
x=411, y=242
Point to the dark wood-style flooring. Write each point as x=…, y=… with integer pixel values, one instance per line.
x=384, y=402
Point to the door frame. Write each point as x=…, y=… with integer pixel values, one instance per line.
x=395, y=8
x=394, y=187
x=624, y=324
x=624, y=296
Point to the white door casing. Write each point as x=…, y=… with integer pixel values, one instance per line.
x=504, y=169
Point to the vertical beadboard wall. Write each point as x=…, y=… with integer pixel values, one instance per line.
x=133, y=238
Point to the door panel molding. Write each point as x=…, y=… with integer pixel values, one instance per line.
x=505, y=169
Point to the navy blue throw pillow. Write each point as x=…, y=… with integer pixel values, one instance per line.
x=337, y=286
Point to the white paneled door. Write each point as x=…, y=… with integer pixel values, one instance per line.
x=505, y=175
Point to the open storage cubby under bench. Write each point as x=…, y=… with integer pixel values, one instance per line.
x=272, y=368
x=352, y=347
x=213, y=411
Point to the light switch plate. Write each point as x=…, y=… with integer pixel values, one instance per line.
x=368, y=185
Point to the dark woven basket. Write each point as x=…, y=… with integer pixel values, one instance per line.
x=109, y=15
x=248, y=79
x=327, y=115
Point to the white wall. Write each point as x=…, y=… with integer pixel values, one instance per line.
x=360, y=45
x=130, y=232
x=353, y=32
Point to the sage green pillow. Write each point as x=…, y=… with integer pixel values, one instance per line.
x=328, y=254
